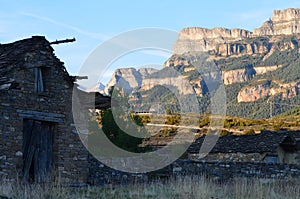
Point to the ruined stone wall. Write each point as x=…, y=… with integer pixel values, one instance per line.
x=101, y=174
x=230, y=157
x=225, y=170
x=70, y=157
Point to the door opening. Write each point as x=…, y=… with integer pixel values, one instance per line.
x=37, y=150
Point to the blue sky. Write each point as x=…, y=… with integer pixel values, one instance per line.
x=93, y=22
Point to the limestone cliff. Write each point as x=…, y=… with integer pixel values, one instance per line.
x=253, y=93
x=128, y=78
x=246, y=74
x=202, y=39
x=226, y=42
x=180, y=83
x=185, y=60
x=283, y=22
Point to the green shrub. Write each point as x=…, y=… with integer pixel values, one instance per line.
x=173, y=119
x=205, y=121
x=250, y=132
x=167, y=132
x=225, y=133
x=168, y=111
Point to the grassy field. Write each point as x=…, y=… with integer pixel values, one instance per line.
x=187, y=187
x=236, y=125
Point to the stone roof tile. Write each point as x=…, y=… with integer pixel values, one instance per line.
x=267, y=141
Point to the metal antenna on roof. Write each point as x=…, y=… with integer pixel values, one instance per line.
x=63, y=41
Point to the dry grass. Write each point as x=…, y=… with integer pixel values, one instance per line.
x=187, y=187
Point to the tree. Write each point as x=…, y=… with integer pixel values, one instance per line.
x=168, y=111
x=117, y=136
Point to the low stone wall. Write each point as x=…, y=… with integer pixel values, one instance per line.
x=229, y=157
x=225, y=170
x=101, y=174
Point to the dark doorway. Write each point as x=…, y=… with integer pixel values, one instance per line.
x=37, y=150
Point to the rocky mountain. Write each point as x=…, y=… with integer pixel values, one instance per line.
x=98, y=87
x=253, y=93
x=256, y=67
x=245, y=74
x=129, y=78
x=283, y=22
x=226, y=42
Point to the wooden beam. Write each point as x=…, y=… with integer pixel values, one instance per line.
x=36, y=115
x=63, y=41
x=81, y=77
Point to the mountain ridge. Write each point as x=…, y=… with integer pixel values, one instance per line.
x=283, y=22
x=247, y=60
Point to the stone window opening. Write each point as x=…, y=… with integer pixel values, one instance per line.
x=39, y=83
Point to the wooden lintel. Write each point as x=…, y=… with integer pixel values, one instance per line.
x=43, y=116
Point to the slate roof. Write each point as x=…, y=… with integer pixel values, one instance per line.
x=15, y=56
x=266, y=141
x=12, y=55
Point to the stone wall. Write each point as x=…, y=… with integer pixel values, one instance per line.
x=225, y=170
x=101, y=174
x=70, y=156
x=230, y=157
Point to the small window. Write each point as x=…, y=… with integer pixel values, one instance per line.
x=39, y=84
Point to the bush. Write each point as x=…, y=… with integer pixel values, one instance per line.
x=205, y=121
x=168, y=111
x=167, y=132
x=225, y=133
x=173, y=119
x=137, y=120
x=145, y=119
x=250, y=132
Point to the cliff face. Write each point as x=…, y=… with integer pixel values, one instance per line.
x=226, y=42
x=253, y=93
x=283, y=22
x=180, y=83
x=128, y=78
x=203, y=39
x=246, y=74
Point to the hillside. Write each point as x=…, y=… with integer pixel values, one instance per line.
x=163, y=134
x=260, y=69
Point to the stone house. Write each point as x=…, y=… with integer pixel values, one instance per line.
x=266, y=147
x=38, y=140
